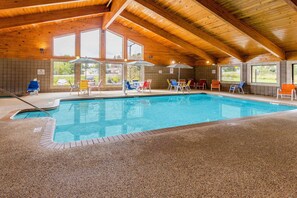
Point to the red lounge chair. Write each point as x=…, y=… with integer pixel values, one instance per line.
x=201, y=84
x=146, y=85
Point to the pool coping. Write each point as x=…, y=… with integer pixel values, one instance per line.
x=47, y=136
x=48, y=132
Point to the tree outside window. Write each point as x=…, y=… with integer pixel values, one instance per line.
x=264, y=74
x=230, y=73
x=63, y=73
x=114, y=74
x=90, y=72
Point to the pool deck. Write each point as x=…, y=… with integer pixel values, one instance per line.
x=251, y=157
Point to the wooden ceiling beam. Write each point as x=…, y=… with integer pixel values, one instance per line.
x=224, y=15
x=30, y=19
x=292, y=3
x=117, y=6
x=178, y=41
x=191, y=28
x=11, y=4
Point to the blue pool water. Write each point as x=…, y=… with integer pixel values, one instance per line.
x=88, y=119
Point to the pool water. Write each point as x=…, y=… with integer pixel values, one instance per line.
x=87, y=119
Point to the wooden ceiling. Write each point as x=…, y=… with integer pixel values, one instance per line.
x=207, y=29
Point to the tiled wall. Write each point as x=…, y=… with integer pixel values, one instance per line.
x=159, y=79
x=15, y=74
x=206, y=72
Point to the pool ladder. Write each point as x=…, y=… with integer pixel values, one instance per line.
x=15, y=96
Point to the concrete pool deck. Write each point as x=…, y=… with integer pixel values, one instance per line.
x=254, y=157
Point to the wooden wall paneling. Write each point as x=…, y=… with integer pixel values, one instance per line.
x=168, y=36
x=224, y=14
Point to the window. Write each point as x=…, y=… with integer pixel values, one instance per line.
x=90, y=72
x=264, y=74
x=90, y=41
x=114, y=74
x=114, y=46
x=63, y=73
x=230, y=73
x=294, y=74
x=135, y=51
x=134, y=73
x=64, y=45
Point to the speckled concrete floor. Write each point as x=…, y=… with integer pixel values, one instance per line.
x=253, y=157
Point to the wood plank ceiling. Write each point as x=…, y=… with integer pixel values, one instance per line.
x=207, y=29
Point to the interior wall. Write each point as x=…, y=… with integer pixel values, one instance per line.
x=20, y=56
x=205, y=72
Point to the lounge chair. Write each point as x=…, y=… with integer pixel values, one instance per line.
x=33, y=87
x=145, y=86
x=192, y=84
x=129, y=86
x=187, y=86
x=169, y=84
x=73, y=87
x=201, y=84
x=98, y=87
x=215, y=84
x=239, y=87
x=286, y=90
x=150, y=83
x=83, y=87
x=175, y=85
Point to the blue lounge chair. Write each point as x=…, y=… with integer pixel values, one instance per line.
x=128, y=86
x=175, y=85
x=33, y=87
x=239, y=87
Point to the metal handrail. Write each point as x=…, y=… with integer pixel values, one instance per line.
x=15, y=96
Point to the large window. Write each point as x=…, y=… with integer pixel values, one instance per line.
x=264, y=74
x=63, y=73
x=114, y=46
x=64, y=45
x=294, y=74
x=134, y=73
x=114, y=74
x=90, y=72
x=90, y=42
x=230, y=73
x=135, y=51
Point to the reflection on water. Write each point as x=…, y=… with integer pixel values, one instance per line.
x=87, y=119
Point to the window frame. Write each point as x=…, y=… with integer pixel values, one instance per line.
x=64, y=35
x=142, y=50
x=123, y=45
x=249, y=74
x=122, y=77
x=52, y=86
x=80, y=41
x=290, y=71
x=230, y=65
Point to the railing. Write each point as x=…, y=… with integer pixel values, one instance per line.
x=15, y=96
